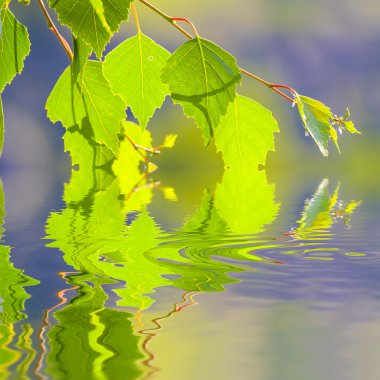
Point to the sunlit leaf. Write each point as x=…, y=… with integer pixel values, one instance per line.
x=133, y=70
x=99, y=9
x=202, y=77
x=245, y=135
x=316, y=119
x=14, y=47
x=349, y=125
x=94, y=21
x=88, y=101
x=169, y=141
x=321, y=124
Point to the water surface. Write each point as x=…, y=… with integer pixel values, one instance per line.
x=260, y=280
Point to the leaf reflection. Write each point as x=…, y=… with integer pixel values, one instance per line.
x=121, y=256
x=321, y=211
x=15, y=343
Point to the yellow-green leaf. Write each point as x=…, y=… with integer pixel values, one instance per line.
x=245, y=135
x=133, y=70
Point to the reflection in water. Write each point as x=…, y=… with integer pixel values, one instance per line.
x=320, y=213
x=102, y=324
x=122, y=257
x=16, y=350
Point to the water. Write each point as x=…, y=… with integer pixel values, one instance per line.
x=260, y=280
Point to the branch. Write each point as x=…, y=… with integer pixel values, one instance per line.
x=54, y=29
x=173, y=21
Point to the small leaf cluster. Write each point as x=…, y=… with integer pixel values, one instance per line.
x=92, y=95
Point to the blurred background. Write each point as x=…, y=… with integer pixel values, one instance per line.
x=325, y=49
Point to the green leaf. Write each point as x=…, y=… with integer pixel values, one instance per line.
x=88, y=101
x=94, y=21
x=169, y=141
x=14, y=47
x=349, y=125
x=245, y=135
x=319, y=122
x=133, y=70
x=99, y=9
x=203, y=78
x=316, y=119
x=1, y=127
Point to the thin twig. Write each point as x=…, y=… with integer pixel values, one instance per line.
x=172, y=20
x=54, y=29
x=167, y=18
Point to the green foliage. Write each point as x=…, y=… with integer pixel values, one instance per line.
x=88, y=100
x=133, y=70
x=203, y=78
x=14, y=47
x=91, y=97
x=94, y=21
x=319, y=122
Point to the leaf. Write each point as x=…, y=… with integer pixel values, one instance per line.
x=1, y=127
x=349, y=125
x=91, y=100
x=319, y=122
x=316, y=119
x=169, y=141
x=94, y=21
x=81, y=52
x=14, y=47
x=133, y=70
x=245, y=135
x=99, y=9
x=203, y=78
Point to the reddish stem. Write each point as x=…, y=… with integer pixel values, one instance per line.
x=174, y=19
